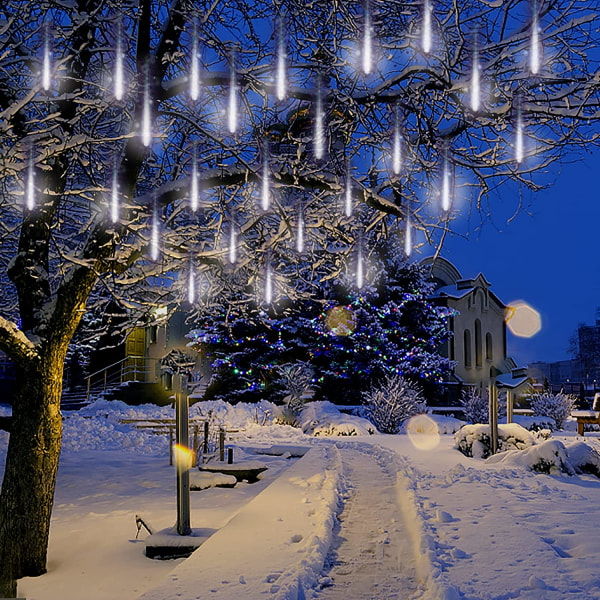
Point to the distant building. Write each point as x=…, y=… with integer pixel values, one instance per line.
x=478, y=344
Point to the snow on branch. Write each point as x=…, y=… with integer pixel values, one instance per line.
x=16, y=344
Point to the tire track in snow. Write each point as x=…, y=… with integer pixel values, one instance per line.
x=371, y=557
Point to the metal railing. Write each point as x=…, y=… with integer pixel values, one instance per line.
x=130, y=368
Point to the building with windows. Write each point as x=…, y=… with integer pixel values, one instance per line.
x=478, y=344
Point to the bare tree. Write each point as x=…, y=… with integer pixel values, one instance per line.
x=113, y=114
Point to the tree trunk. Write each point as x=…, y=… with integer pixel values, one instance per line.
x=30, y=472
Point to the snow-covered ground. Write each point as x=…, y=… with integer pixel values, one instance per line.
x=369, y=516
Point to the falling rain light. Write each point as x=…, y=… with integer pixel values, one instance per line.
x=232, y=244
x=446, y=181
x=194, y=188
x=300, y=230
x=265, y=200
x=397, y=150
x=195, y=71
x=426, y=27
x=154, y=244
x=191, y=284
x=146, y=119
x=119, y=86
x=114, y=199
x=359, y=268
x=348, y=196
x=408, y=237
x=46, y=65
x=475, y=83
x=281, y=63
x=268, y=284
x=232, y=116
x=319, y=125
x=519, y=137
x=30, y=191
x=367, y=53
x=534, y=47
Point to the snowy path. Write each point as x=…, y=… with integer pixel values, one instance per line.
x=371, y=556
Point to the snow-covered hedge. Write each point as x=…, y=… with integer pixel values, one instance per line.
x=536, y=423
x=475, y=440
x=553, y=457
x=322, y=418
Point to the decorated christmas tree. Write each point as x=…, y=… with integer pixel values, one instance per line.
x=353, y=338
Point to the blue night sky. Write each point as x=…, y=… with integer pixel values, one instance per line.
x=547, y=256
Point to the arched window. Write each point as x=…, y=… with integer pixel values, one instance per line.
x=489, y=349
x=467, y=348
x=478, y=344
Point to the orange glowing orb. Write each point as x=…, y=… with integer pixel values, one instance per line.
x=341, y=320
x=522, y=320
x=183, y=457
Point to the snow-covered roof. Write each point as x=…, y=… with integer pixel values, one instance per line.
x=450, y=291
x=508, y=380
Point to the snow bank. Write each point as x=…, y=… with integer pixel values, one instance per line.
x=276, y=545
x=322, y=418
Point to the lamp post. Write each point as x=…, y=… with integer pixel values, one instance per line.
x=493, y=414
x=182, y=455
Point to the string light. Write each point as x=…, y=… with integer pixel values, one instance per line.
x=281, y=63
x=426, y=34
x=232, y=115
x=367, y=54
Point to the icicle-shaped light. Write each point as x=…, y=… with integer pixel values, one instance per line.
x=534, y=43
x=475, y=82
x=519, y=136
x=348, y=194
x=265, y=197
x=319, y=132
x=281, y=62
x=154, y=241
x=191, y=283
x=397, y=148
x=446, y=183
x=232, y=111
x=300, y=229
x=114, y=198
x=268, y=283
x=119, y=79
x=426, y=33
x=232, y=255
x=147, y=116
x=367, y=51
x=408, y=237
x=360, y=276
x=46, y=62
x=195, y=70
x=195, y=186
x=30, y=187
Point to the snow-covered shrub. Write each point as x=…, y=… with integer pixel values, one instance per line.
x=476, y=405
x=536, y=423
x=554, y=457
x=556, y=406
x=322, y=418
x=394, y=401
x=296, y=380
x=475, y=440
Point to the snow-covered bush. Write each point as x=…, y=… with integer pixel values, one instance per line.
x=296, y=380
x=476, y=405
x=475, y=440
x=556, y=406
x=554, y=457
x=394, y=401
x=322, y=418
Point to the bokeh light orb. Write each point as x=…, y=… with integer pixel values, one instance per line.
x=341, y=320
x=423, y=432
x=522, y=320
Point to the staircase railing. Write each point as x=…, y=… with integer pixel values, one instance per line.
x=130, y=368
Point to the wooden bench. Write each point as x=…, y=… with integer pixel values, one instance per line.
x=585, y=417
